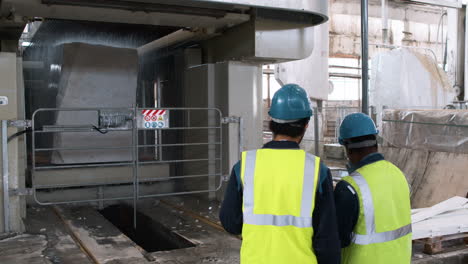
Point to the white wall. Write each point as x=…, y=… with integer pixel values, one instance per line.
x=409, y=25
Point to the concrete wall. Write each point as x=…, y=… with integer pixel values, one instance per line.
x=408, y=25
x=10, y=70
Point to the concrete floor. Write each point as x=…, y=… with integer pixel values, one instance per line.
x=81, y=235
x=46, y=241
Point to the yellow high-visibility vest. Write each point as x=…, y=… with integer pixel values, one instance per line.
x=279, y=187
x=382, y=234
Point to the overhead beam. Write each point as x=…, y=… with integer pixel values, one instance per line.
x=177, y=37
x=345, y=75
x=141, y=6
x=37, y=8
x=213, y=14
x=442, y=3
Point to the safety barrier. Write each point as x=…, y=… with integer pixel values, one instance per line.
x=145, y=136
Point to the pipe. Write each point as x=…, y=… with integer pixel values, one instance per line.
x=461, y=55
x=466, y=59
x=268, y=89
x=212, y=120
x=135, y=167
x=365, y=55
x=6, y=188
x=241, y=136
x=439, y=27
x=316, y=133
x=384, y=21
x=158, y=105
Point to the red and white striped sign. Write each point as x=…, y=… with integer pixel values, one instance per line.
x=153, y=119
x=153, y=112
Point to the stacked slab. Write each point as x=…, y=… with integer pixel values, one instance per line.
x=94, y=76
x=431, y=147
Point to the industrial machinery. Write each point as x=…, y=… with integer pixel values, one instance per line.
x=136, y=99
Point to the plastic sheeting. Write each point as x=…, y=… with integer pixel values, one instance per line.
x=404, y=78
x=431, y=130
x=427, y=171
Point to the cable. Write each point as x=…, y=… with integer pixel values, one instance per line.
x=100, y=130
x=29, y=130
x=19, y=133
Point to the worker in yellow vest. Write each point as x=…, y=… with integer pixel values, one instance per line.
x=373, y=202
x=280, y=198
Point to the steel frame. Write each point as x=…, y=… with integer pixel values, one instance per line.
x=135, y=163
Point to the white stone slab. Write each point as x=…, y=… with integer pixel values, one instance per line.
x=451, y=204
x=441, y=226
x=94, y=76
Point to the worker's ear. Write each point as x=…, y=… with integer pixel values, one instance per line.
x=306, y=126
x=349, y=152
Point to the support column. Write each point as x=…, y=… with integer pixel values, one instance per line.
x=384, y=22
x=235, y=88
x=10, y=88
x=365, y=55
x=245, y=100
x=212, y=132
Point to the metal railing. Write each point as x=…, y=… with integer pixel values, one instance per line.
x=185, y=130
x=325, y=124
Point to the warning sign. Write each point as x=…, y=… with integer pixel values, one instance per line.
x=153, y=119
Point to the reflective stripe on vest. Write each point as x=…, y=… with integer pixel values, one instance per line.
x=305, y=220
x=372, y=236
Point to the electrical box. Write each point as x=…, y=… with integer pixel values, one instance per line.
x=3, y=100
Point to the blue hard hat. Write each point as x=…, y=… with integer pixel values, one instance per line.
x=289, y=104
x=356, y=125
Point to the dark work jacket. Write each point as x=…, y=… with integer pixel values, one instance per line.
x=347, y=201
x=326, y=242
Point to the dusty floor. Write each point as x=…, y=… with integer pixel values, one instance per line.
x=81, y=235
